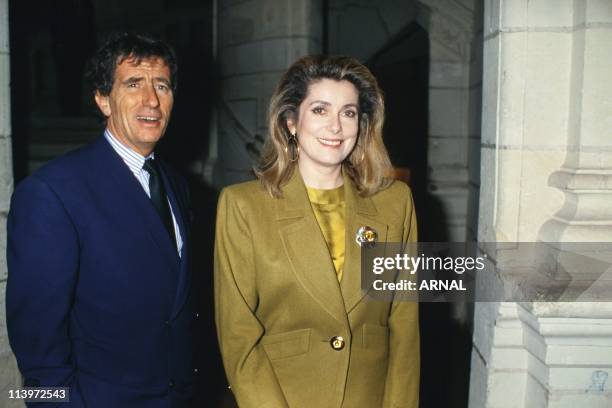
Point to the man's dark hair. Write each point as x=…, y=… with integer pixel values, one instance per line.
x=100, y=72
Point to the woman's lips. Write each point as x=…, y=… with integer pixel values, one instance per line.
x=330, y=142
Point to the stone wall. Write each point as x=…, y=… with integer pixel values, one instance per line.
x=546, y=175
x=9, y=376
x=474, y=123
x=454, y=95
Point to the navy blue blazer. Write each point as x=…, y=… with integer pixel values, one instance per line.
x=97, y=297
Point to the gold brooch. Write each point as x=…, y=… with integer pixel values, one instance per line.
x=366, y=236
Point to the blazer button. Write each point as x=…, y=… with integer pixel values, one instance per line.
x=337, y=343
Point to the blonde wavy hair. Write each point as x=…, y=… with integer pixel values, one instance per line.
x=368, y=165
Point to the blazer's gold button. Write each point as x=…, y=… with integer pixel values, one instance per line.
x=337, y=343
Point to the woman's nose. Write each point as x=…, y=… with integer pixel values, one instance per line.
x=335, y=126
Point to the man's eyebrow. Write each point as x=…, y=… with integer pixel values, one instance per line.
x=132, y=79
x=136, y=79
x=163, y=79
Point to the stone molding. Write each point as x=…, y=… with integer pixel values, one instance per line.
x=561, y=349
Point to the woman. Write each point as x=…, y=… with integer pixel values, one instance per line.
x=293, y=327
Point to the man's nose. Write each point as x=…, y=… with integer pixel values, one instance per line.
x=149, y=97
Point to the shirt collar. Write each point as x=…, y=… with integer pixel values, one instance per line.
x=132, y=159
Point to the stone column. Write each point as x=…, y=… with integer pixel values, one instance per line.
x=585, y=178
x=546, y=175
x=257, y=41
x=454, y=95
x=9, y=375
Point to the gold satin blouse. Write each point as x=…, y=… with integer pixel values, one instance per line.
x=329, y=208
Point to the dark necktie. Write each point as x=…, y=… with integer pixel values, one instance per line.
x=158, y=196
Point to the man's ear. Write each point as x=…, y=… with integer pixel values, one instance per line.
x=103, y=103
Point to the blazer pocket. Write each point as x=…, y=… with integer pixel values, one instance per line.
x=287, y=344
x=375, y=336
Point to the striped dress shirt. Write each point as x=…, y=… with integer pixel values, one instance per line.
x=135, y=161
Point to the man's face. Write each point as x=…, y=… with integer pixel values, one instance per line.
x=139, y=105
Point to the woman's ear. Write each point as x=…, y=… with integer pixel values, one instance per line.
x=291, y=124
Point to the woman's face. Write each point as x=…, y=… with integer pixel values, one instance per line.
x=327, y=125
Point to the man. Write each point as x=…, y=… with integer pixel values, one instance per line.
x=98, y=287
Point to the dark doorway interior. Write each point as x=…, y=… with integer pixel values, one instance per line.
x=402, y=69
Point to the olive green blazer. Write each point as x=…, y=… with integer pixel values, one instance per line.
x=278, y=303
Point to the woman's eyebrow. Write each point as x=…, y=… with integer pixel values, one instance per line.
x=319, y=102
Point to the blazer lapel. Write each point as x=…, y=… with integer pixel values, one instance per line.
x=180, y=213
x=139, y=208
x=360, y=211
x=306, y=249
